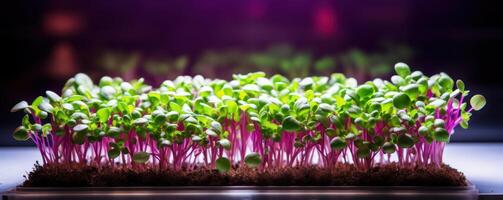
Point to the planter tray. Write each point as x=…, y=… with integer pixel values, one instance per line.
x=246, y=192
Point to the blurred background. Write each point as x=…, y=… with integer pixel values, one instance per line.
x=46, y=42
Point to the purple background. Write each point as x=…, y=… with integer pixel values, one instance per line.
x=462, y=38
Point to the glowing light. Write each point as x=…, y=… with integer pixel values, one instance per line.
x=325, y=21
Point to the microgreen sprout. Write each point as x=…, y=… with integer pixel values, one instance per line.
x=252, y=120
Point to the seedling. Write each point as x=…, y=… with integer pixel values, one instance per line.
x=255, y=121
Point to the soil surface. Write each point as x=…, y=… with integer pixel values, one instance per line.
x=76, y=175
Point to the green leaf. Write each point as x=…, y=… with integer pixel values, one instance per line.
x=103, y=114
x=46, y=106
x=20, y=106
x=441, y=135
x=190, y=120
x=437, y=103
x=74, y=98
x=461, y=85
x=196, y=138
x=53, y=97
x=389, y=148
x=402, y=69
x=423, y=131
x=83, y=80
x=193, y=129
x=79, y=116
x=439, y=123
x=227, y=90
x=225, y=143
x=114, y=131
x=106, y=80
x=211, y=133
x=122, y=107
x=223, y=165
x=37, y=102
x=42, y=114
x=350, y=136
x=401, y=101
x=232, y=106
x=397, y=80
x=141, y=157
x=46, y=129
x=21, y=134
x=165, y=143
x=364, y=91
x=403, y=116
x=26, y=121
x=363, y=152
x=186, y=108
x=175, y=107
x=423, y=85
x=264, y=83
x=216, y=127
x=291, y=124
x=78, y=138
x=172, y=116
x=325, y=107
x=127, y=87
x=160, y=119
x=416, y=75
x=251, y=88
x=244, y=107
x=67, y=106
x=338, y=143
x=140, y=121
x=205, y=91
x=478, y=102
x=405, y=141
x=412, y=90
x=464, y=124
x=107, y=92
x=446, y=82
x=455, y=93
x=253, y=160
x=80, y=128
x=36, y=127
x=114, y=153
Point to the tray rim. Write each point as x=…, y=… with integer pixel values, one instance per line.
x=226, y=192
x=470, y=186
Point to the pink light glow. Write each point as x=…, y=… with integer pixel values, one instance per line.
x=325, y=21
x=256, y=8
x=62, y=23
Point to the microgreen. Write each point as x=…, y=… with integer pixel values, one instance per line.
x=252, y=120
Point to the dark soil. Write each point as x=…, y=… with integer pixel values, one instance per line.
x=75, y=175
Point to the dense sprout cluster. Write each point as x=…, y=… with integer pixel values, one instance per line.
x=252, y=120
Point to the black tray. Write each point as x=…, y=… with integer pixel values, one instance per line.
x=246, y=192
